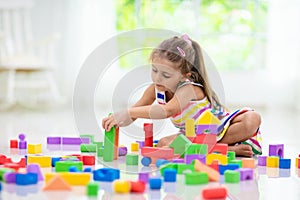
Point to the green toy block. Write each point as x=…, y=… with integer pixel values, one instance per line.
x=88, y=147
x=179, y=144
x=232, y=176
x=196, y=149
x=230, y=155
x=196, y=178
x=3, y=171
x=100, y=151
x=92, y=189
x=167, y=166
x=99, y=144
x=88, y=136
x=182, y=167
x=132, y=159
x=109, y=143
x=63, y=166
x=239, y=162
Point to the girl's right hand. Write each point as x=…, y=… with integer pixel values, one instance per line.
x=117, y=119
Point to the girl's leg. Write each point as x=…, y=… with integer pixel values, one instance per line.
x=166, y=141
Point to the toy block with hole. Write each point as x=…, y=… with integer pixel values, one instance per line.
x=196, y=149
x=157, y=152
x=92, y=189
x=170, y=175
x=43, y=161
x=214, y=192
x=137, y=186
x=57, y=183
x=155, y=183
x=134, y=147
x=232, y=176
x=34, y=148
x=223, y=168
x=132, y=159
x=207, y=129
x=109, y=145
x=179, y=144
x=213, y=174
x=72, y=178
x=248, y=163
x=209, y=139
x=220, y=148
x=196, y=178
x=230, y=155
x=106, y=174
x=63, y=166
x=273, y=161
x=26, y=179
x=276, y=150
x=121, y=186
x=284, y=163
x=190, y=127
x=88, y=148
x=246, y=174
x=190, y=157
x=219, y=157
x=13, y=144
x=208, y=118
x=148, y=129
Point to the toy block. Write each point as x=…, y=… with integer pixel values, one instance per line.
x=106, y=174
x=142, y=143
x=230, y=155
x=220, y=148
x=72, y=178
x=273, y=161
x=208, y=118
x=184, y=168
x=161, y=162
x=246, y=174
x=109, y=145
x=13, y=144
x=92, y=189
x=73, y=169
x=179, y=144
x=122, y=151
x=98, y=144
x=91, y=137
x=57, y=183
x=134, y=147
x=26, y=179
x=276, y=150
x=34, y=148
x=170, y=175
x=100, y=151
x=214, y=192
x=75, y=140
x=209, y=139
x=54, y=140
x=88, y=147
x=143, y=177
x=137, y=186
x=155, y=183
x=121, y=186
x=116, y=144
x=13, y=166
x=207, y=129
x=158, y=152
x=148, y=129
x=88, y=160
x=196, y=149
x=219, y=157
x=248, y=163
x=132, y=159
x=284, y=163
x=232, y=176
x=297, y=162
x=223, y=168
x=177, y=160
x=43, y=161
x=196, y=178
x=35, y=168
x=10, y=177
x=3, y=171
x=190, y=127
x=63, y=166
x=188, y=158
x=22, y=142
x=146, y=161
x=213, y=174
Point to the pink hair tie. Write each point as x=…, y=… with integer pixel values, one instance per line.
x=186, y=38
x=181, y=51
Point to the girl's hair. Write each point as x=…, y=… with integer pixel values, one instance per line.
x=188, y=55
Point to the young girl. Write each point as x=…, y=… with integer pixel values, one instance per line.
x=182, y=89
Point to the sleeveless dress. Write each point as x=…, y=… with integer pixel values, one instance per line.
x=195, y=108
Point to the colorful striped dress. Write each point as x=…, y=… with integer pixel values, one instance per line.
x=195, y=108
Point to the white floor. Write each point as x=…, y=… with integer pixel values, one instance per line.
x=279, y=126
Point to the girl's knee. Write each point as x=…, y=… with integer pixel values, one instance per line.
x=252, y=121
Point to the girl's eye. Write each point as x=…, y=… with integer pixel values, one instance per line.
x=154, y=70
x=166, y=76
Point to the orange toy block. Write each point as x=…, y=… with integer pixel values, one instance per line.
x=248, y=163
x=213, y=175
x=57, y=183
x=220, y=148
x=209, y=139
x=158, y=152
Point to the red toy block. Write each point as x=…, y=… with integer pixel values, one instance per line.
x=14, y=144
x=116, y=143
x=137, y=186
x=214, y=192
x=88, y=160
x=220, y=148
x=78, y=156
x=214, y=165
x=157, y=152
x=14, y=166
x=148, y=128
x=209, y=139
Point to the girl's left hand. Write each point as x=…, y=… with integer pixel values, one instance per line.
x=120, y=119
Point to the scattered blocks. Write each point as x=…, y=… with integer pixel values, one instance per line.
x=155, y=183
x=34, y=148
x=121, y=186
x=276, y=150
x=57, y=183
x=209, y=139
x=214, y=192
x=248, y=163
x=284, y=163
x=132, y=159
x=232, y=176
x=92, y=189
x=196, y=178
x=273, y=161
x=170, y=175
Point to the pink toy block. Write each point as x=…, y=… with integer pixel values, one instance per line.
x=220, y=148
x=246, y=174
x=148, y=128
x=276, y=150
x=157, y=152
x=116, y=142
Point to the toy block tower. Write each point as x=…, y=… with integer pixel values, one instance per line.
x=110, y=151
x=207, y=123
x=148, y=128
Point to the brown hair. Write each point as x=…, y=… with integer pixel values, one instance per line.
x=190, y=62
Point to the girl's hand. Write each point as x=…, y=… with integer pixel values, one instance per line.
x=120, y=119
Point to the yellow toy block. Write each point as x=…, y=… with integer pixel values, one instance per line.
x=273, y=161
x=190, y=127
x=121, y=186
x=34, y=148
x=222, y=159
x=72, y=178
x=134, y=146
x=208, y=118
x=248, y=163
x=43, y=161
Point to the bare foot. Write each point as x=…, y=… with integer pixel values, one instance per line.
x=241, y=150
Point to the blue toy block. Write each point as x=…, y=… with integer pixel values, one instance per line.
x=155, y=183
x=170, y=175
x=26, y=179
x=146, y=161
x=223, y=168
x=87, y=169
x=106, y=174
x=73, y=169
x=160, y=162
x=54, y=160
x=284, y=163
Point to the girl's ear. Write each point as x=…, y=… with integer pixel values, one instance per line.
x=188, y=75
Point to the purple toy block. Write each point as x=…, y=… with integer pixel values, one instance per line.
x=262, y=160
x=144, y=177
x=207, y=128
x=10, y=177
x=35, y=168
x=276, y=150
x=246, y=174
x=53, y=140
x=141, y=143
x=122, y=151
x=22, y=145
x=22, y=136
x=75, y=140
x=177, y=160
x=188, y=158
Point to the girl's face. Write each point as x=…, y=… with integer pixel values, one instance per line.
x=166, y=75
